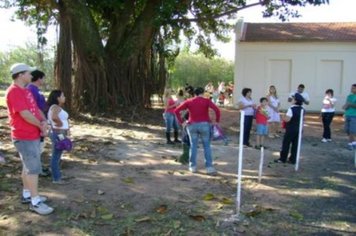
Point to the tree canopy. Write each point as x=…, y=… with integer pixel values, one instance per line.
x=114, y=53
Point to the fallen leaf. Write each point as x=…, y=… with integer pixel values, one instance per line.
x=143, y=219
x=296, y=215
x=100, y=192
x=162, y=209
x=107, y=217
x=226, y=201
x=208, y=197
x=199, y=218
x=128, y=180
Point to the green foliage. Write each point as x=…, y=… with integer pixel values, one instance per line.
x=28, y=55
x=197, y=70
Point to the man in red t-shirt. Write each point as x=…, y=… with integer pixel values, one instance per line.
x=27, y=125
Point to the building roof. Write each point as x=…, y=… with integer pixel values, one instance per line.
x=299, y=32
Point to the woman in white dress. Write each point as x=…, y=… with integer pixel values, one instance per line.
x=273, y=111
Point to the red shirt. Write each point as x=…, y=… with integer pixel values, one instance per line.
x=261, y=116
x=20, y=99
x=198, y=108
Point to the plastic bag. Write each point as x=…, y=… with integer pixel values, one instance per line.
x=217, y=133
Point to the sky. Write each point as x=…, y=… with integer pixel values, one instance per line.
x=15, y=33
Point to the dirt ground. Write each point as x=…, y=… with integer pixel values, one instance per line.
x=124, y=180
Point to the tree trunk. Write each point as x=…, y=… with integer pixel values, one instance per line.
x=63, y=65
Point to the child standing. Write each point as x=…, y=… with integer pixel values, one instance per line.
x=261, y=123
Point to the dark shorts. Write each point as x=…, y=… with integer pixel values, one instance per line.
x=30, y=155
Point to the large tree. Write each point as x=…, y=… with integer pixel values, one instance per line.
x=115, y=53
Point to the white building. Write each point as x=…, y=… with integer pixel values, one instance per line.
x=318, y=55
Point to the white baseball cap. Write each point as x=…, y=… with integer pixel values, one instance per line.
x=20, y=67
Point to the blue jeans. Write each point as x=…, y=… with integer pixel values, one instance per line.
x=171, y=121
x=195, y=130
x=55, y=158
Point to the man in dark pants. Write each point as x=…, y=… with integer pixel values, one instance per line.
x=292, y=119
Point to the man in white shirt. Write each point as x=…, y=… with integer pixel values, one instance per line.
x=300, y=90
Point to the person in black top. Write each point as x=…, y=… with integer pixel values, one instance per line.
x=292, y=120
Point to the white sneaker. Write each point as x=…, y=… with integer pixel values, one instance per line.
x=324, y=140
x=193, y=169
x=211, y=171
x=41, y=208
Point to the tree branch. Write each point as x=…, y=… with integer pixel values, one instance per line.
x=234, y=10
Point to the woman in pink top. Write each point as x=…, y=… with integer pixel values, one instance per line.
x=198, y=124
x=169, y=117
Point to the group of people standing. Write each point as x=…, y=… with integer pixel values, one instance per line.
x=220, y=94
x=268, y=120
x=30, y=117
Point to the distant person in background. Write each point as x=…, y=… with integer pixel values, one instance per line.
x=292, y=121
x=247, y=105
x=199, y=125
x=350, y=117
x=37, y=82
x=273, y=112
x=301, y=91
x=169, y=117
x=327, y=114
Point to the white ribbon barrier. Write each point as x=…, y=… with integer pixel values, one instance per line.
x=299, y=138
x=261, y=164
x=239, y=168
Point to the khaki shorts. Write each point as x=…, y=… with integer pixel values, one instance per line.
x=29, y=151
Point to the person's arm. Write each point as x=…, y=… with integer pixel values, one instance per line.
x=30, y=118
x=216, y=110
x=177, y=111
x=55, y=117
x=288, y=116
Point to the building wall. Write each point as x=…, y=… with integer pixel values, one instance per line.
x=318, y=66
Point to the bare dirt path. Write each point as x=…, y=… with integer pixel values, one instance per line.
x=124, y=180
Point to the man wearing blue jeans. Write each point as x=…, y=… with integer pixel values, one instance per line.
x=199, y=124
x=350, y=117
x=27, y=125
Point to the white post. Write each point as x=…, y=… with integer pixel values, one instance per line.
x=261, y=165
x=239, y=169
x=299, y=139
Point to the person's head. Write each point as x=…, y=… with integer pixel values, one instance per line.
x=180, y=93
x=353, y=89
x=37, y=75
x=263, y=101
x=272, y=90
x=21, y=71
x=329, y=92
x=189, y=90
x=56, y=97
x=297, y=99
x=246, y=92
x=198, y=91
x=301, y=88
